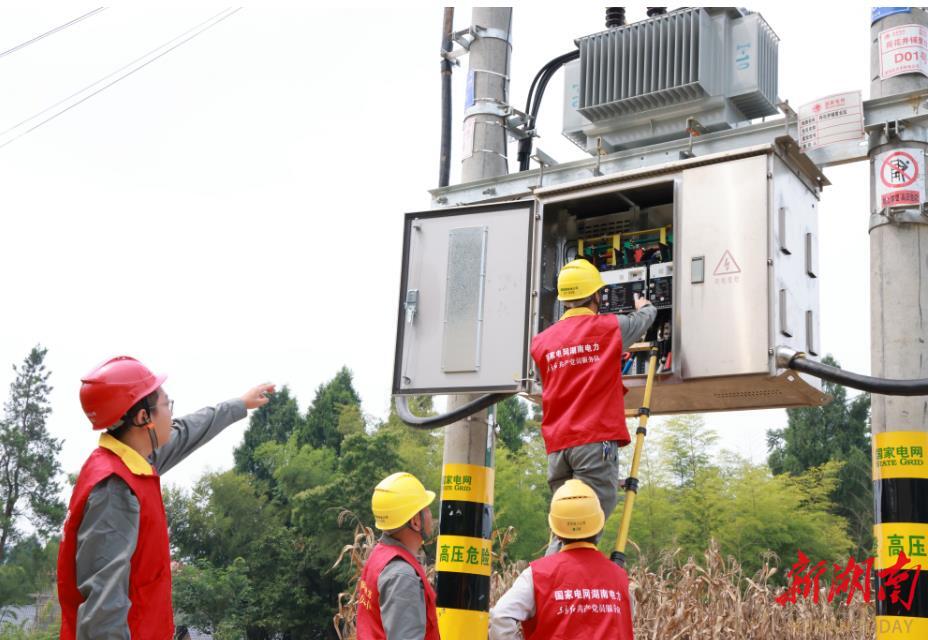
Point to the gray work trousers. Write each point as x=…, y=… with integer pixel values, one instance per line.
x=597, y=465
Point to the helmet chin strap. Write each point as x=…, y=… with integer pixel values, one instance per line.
x=153, y=436
x=421, y=527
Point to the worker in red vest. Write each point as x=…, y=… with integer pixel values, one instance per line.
x=575, y=593
x=579, y=359
x=395, y=599
x=114, y=563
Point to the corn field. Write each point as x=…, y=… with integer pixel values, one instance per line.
x=675, y=600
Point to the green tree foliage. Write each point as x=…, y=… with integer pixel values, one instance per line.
x=274, y=422
x=224, y=598
x=686, y=447
x=522, y=498
x=321, y=428
x=29, y=466
x=420, y=450
x=512, y=417
x=229, y=535
x=690, y=494
x=837, y=432
x=29, y=568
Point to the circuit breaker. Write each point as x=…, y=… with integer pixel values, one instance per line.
x=660, y=285
x=623, y=287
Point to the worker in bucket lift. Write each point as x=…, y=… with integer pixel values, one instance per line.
x=395, y=599
x=114, y=562
x=579, y=359
x=576, y=593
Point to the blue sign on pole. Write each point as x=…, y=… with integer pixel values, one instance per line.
x=469, y=91
x=878, y=13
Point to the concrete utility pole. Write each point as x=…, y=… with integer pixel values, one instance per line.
x=464, y=543
x=899, y=315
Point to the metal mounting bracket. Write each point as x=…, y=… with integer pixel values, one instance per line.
x=467, y=37
x=898, y=216
x=513, y=118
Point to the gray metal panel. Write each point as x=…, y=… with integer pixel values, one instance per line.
x=723, y=321
x=790, y=270
x=464, y=296
x=423, y=344
x=574, y=121
x=753, y=58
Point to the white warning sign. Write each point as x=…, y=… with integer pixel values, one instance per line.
x=904, y=49
x=901, y=178
x=835, y=118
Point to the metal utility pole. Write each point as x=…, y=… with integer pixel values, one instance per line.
x=464, y=543
x=899, y=314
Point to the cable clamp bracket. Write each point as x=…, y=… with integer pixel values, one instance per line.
x=453, y=56
x=513, y=118
x=467, y=37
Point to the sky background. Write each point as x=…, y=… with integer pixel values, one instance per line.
x=232, y=212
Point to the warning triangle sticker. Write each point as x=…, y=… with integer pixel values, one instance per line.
x=726, y=265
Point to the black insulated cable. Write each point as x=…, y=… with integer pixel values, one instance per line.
x=444, y=419
x=444, y=166
x=533, y=103
x=883, y=386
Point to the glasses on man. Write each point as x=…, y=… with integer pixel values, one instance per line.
x=166, y=403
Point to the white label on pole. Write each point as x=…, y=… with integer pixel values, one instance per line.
x=900, y=179
x=904, y=49
x=835, y=118
x=468, y=149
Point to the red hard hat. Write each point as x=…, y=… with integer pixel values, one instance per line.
x=111, y=389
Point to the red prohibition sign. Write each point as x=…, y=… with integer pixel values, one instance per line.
x=908, y=179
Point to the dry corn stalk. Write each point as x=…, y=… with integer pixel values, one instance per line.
x=677, y=600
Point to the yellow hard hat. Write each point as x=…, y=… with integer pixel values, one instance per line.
x=575, y=511
x=397, y=499
x=577, y=280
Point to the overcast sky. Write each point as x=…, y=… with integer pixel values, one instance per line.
x=232, y=212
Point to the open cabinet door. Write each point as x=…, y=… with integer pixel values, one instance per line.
x=463, y=318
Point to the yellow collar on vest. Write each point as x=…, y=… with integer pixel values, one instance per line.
x=578, y=545
x=129, y=456
x=578, y=311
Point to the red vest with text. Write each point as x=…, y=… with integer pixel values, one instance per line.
x=369, y=623
x=579, y=593
x=583, y=398
x=150, y=614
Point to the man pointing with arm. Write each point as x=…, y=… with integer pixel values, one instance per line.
x=114, y=563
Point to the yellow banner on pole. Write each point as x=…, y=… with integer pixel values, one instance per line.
x=464, y=554
x=468, y=482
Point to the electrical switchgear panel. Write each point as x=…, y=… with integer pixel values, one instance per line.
x=635, y=262
x=623, y=287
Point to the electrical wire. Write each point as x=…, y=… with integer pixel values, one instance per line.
x=883, y=386
x=444, y=419
x=42, y=36
x=177, y=41
x=533, y=103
